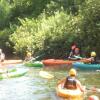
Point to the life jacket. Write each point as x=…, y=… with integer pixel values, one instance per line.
x=70, y=83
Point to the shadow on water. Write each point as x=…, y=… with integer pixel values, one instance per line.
x=33, y=87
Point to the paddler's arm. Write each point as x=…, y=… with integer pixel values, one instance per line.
x=82, y=88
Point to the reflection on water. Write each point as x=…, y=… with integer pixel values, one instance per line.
x=33, y=87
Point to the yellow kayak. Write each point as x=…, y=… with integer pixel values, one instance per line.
x=67, y=93
x=45, y=75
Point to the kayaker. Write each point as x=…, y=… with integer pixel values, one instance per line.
x=72, y=82
x=75, y=54
x=28, y=56
x=93, y=57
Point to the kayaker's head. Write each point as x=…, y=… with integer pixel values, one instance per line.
x=77, y=50
x=93, y=97
x=72, y=72
x=93, y=54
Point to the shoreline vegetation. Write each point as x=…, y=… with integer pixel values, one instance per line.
x=49, y=27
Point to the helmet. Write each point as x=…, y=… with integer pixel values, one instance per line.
x=93, y=97
x=72, y=72
x=93, y=54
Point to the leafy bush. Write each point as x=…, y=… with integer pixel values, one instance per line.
x=51, y=34
x=5, y=11
x=90, y=26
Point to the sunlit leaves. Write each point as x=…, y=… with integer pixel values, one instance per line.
x=39, y=34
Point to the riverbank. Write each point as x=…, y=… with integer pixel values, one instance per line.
x=8, y=62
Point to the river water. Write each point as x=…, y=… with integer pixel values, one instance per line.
x=33, y=87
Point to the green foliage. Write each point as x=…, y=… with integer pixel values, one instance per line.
x=23, y=37
x=90, y=25
x=4, y=37
x=50, y=34
x=49, y=26
x=5, y=10
x=23, y=8
x=71, y=6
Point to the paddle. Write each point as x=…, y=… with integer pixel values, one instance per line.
x=37, y=57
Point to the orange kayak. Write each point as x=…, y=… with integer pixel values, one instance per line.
x=50, y=62
x=67, y=93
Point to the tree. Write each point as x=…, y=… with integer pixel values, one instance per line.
x=90, y=25
x=5, y=11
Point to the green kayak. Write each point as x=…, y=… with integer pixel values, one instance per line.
x=83, y=66
x=8, y=69
x=18, y=72
x=34, y=64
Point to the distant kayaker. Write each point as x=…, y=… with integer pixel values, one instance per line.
x=28, y=56
x=72, y=82
x=93, y=57
x=75, y=53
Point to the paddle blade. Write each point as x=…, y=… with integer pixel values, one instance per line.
x=45, y=75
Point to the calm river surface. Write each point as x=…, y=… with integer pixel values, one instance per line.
x=32, y=87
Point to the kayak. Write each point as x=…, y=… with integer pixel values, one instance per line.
x=51, y=62
x=67, y=93
x=34, y=64
x=83, y=66
x=17, y=73
x=45, y=75
x=7, y=69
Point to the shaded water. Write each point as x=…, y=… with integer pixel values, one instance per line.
x=33, y=87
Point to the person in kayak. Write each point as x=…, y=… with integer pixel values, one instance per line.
x=71, y=82
x=75, y=53
x=93, y=58
x=28, y=56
